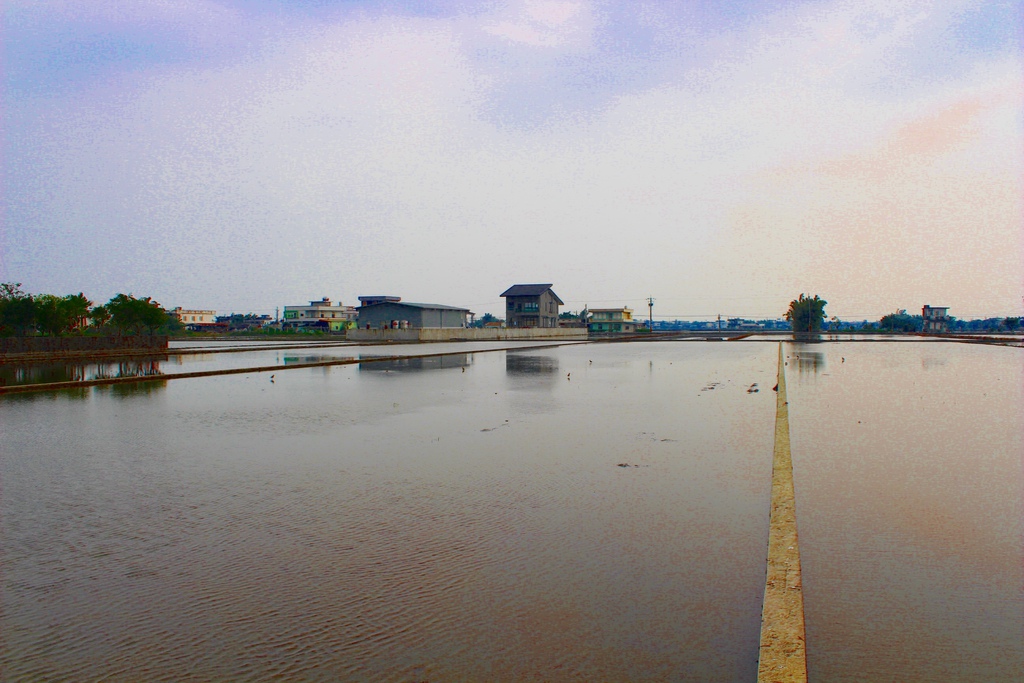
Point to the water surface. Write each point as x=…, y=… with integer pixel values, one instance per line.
x=589, y=512
x=910, y=507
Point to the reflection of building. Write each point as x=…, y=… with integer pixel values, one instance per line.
x=531, y=306
x=390, y=312
x=322, y=315
x=615, y=320
x=519, y=364
x=935, y=318
x=451, y=360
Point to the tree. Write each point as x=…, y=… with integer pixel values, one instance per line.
x=75, y=308
x=58, y=315
x=900, y=321
x=135, y=315
x=48, y=315
x=1011, y=323
x=17, y=309
x=99, y=315
x=484, y=319
x=806, y=314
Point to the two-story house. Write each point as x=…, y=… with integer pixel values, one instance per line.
x=935, y=319
x=613, y=320
x=531, y=306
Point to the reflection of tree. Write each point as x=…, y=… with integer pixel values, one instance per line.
x=809, y=361
x=138, y=368
x=123, y=389
x=48, y=373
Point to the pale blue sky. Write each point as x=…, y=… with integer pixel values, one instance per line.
x=721, y=157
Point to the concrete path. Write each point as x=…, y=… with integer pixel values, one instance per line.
x=783, y=656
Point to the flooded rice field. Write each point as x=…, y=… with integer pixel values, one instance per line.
x=579, y=512
x=908, y=463
x=464, y=519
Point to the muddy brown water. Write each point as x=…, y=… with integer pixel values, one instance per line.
x=908, y=463
x=590, y=512
x=464, y=519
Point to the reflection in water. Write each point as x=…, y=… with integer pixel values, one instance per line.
x=455, y=360
x=909, y=480
x=296, y=360
x=806, y=338
x=807, y=361
x=126, y=389
x=45, y=373
x=519, y=364
x=312, y=530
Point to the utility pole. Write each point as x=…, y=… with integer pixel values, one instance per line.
x=650, y=313
x=719, y=322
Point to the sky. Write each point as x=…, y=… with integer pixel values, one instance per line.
x=720, y=157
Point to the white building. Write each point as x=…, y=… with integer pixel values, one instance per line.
x=188, y=316
x=320, y=314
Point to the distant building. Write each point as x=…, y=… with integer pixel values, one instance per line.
x=188, y=315
x=197, y=320
x=390, y=312
x=611, y=320
x=320, y=315
x=531, y=306
x=238, y=322
x=379, y=299
x=570, y=321
x=935, y=319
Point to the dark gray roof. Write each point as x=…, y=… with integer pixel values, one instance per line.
x=412, y=305
x=530, y=290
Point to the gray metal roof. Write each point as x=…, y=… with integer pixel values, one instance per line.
x=410, y=304
x=530, y=290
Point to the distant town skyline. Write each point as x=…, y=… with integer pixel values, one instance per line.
x=720, y=157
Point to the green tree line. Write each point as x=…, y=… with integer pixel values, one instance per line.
x=23, y=314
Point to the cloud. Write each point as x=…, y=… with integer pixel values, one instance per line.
x=543, y=24
x=444, y=157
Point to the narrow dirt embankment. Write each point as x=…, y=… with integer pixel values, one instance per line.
x=783, y=655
